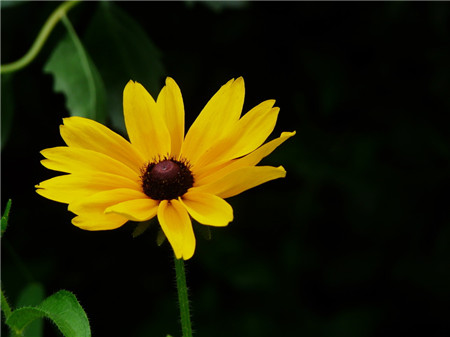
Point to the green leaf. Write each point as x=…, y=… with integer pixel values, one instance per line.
x=141, y=228
x=160, y=238
x=76, y=76
x=205, y=231
x=62, y=308
x=7, y=107
x=33, y=294
x=123, y=51
x=5, y=216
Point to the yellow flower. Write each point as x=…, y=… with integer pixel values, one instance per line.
x=160, y=171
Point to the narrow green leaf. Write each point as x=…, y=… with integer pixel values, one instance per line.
x=123, y=51
x=32, y=294
x=76, y=76
x=62, y=308
x=160, y=238
x=7, y=107
x=5, y=216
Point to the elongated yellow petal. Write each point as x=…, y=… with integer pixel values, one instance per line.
x=250, y=132
x=99, y=202
x=79, y=132
x=171, y=104
x=72, y=187
x=145, y=122
x=207, y=175
x=241, y=180
x=177, y=227
x=207, y=209
x=137, y=210
x=77, y=160
x=97, y=222
x=91, y=209
x=216, y=120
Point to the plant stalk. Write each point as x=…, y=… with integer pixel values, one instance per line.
x=51, y=22
x=183, y=300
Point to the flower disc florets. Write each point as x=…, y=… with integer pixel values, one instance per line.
x=167, y=179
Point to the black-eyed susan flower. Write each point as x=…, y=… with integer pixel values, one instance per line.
x=160, y=171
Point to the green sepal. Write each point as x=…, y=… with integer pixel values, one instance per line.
x=5, y=217
x=160, y=238
x=141, y=228
x=62, y=308
x=205, y=231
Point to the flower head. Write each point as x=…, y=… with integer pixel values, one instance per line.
x=160, y=171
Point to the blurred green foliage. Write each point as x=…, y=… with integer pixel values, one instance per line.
x=355, y=240
x=76, y=76
x=32, y=295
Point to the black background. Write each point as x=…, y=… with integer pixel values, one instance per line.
x=353, y=242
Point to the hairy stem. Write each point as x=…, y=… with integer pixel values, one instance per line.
x=183, y=298
x=5, y=306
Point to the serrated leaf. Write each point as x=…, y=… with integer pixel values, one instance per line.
x=76, y=76
x=32, y=294
x=122, y=51
x=62, y=308
x=5, y=216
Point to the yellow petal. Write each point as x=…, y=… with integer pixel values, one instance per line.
x=216, y=120
x=72, y=187
x=145, y=122
x=79, y=132
x=208, y=209
x=250, y=132
x=241, y=180
x=207, y=175
x=91, y=209
x=77, y=160
x=137, y=210
x=177, y=227
x=171, y=104
x=99, y=222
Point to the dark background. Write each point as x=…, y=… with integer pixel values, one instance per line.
x=355, y=241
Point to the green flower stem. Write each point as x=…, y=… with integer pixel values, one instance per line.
x=183, y=298
x=51, y=22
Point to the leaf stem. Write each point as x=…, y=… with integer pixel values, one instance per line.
x=5, y=306
x=183, y=298
x=51, y=22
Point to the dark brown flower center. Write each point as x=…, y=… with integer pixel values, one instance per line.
x=167, y=179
